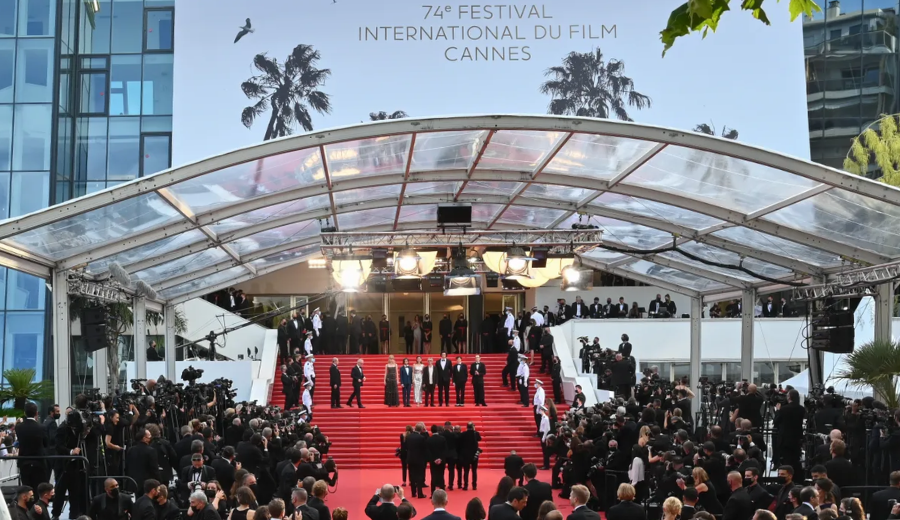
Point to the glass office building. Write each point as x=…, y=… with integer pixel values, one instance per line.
x=851, y=72
x=85, y=104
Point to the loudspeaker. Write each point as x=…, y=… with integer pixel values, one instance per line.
x=93, y=315
x=492, y=279
x=95, y=336
x=836, y=341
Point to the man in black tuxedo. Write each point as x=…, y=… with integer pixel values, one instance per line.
x=452, y=452
x=609, y=309
x=516, y=500
x=509, y=370
x=840, y=469
x=381, y=506
x=460, y=377
x=32, y=437
x=358, y=379
x=578, y=497
x=111, y=505
x=445, y=327
x=288, y=388
x=341, y=331
x=626, y=509
x=283, y=338
x=469, y=450
x=739, y=505
x=788, y=423
x=579, y=309
x=512, y=466
x=142, y=461
x=429, y=380
x=295, y=333
x=655, y=306
x=596, y=309
x=439, y=500
x=808, y=502
x=197, y=472
x=622, y=308
x=437, y=458
x=416, y=457
x=770, y=308
x=879, y=505
x=225, y=467
x=144, y=508
x=477, y=370
x=335, y=382
x=538, y=492
x=287, y=476
x=444, y=369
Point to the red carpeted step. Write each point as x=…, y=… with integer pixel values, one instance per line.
x=368, y=438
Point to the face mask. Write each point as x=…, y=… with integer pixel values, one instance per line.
x=748, y=482
x=210, y=494
x=780, y=481
x=254, y=488
x=114, y=492
x=56, y=415
x=30, y=503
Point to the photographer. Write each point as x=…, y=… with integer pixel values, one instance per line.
x=749, y=406
x=71, y=438
x=788, y=424
x=622, y=372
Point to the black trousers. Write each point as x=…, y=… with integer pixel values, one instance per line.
x=354, y=344
x=545, y=450
x=356, y=393
x=417, y=477
x=546, y=358
x=474, y=467
x=340, y=345
x=437, y=476
x=444, y=393
x=460, y=393
x=478, y=389
x=557, y=391
x=451, y=472
x=487, y=345
x=73, y=483
x=33, y=473
x=290, y=399
x=523, y=393
x=509, y=376
x=406, y=391
x=446, y=344
x=409, y=348
x=335, y=396
x=428, y=397
x=403, y=467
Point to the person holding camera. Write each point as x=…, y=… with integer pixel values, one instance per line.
x=382, y=507
x=788, y=423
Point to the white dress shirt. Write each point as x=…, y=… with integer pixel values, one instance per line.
x=317, y=324
x=545, y=427
x=307, y=399
x=510, y=324
x=538, y=399
x=307, y=346
x=522, y=372
x=538, y=319
x=309, y=371
x=517, y=343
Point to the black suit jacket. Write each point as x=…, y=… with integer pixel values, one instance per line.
x=878, y=506
x=320, y=507
x=335, y=376
x=481, y=372
x=538, y=492
x=436, y=447
x=357, y=375
x=429, y=380
x=443, y=374
x=98, y=511
x=32, y=437
x=503, y=511
x=806, y=511
x=460, y=374
x=142, y=463
x=308, y=513
x=441, y=515
x=446, y=328
x=841, y=471
x=626, y=510
x=416, y=452
x=384, y=511
x=739, y=506
x=143, y=509
x=468, y=444
x=512, y=466
x=583, y=513
x=224, y=472
x=789, y=424
x=282, y=335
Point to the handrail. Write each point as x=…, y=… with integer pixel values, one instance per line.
x=82, y=458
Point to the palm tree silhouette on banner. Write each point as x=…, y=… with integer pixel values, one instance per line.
x=587, y=85
x=288, y=91
x=384, y=116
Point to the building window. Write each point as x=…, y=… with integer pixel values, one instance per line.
x=25, y=292
x=124, y=148
x=24, y=335
x=156, y=151
x=95, y=28
x=93, y=93
x=835, y=34
x=127, y=26
x=159, y=30
x=31, y=137
x=34, y=71
x=7, y=69
x=30, y=192
x=37, y=17
x=7, y=18
x=6, y=126
x=4, y=201
x=90, y=149
x=157, y=85
x=125, y=86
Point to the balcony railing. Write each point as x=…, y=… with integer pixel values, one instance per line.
x=854, y=43
x=838, y=84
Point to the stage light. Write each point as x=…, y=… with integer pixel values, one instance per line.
x=577, y=278
x=517, y=260
x=462, y=281
x=351, y=279
x=406, y=265
x=572, y=275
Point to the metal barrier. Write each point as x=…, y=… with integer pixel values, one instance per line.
x=81, y=458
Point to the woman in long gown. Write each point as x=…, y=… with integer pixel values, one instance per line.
x=417, y=337
x=391, y=398
x=418, y=369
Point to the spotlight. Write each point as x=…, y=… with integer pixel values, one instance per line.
x=407, y=264
x=577, y=278
x=351, y=279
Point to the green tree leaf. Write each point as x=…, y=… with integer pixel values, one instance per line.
x=807, y=7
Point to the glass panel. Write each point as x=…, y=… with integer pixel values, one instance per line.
x=30, y=192
x=658, y=210
x=358, y=196
x=31, y=139
x=93, y=93
x=287, y=256
x=182, y=265
x=7, y=68
x=366, y=218
x=251, y=179
x=632, y=235
x=5, y=202
x=680, y=370
x=7, y=18
x=37, y=17
x=24, y=291
x=127, y=26
x=95, y=228
x=419, y=213
x=206, y=281
x=3, y=274
x=376, y=156
x=605, y=255
x=763, y=372
x=673, y=276
x=846, y=217
x=485, y=212
x=6, y=126
x=788, y=369
x=125, y=86
x=717, y=179
x=276, y=237
x=712, y=370
x=156, y=154
x=733, y=371
x=734, y=273
x=124, y=148
x=553, y=192
x=429, y=188
x=159, y=30
x=156, y=124
x=597, y=156
x=24, y=344
x=34, y=71
x=778, y=246
x=722, y=256
x=160, y=247
x=446, y=150
x=518, y=150
x=507, y=189
x=286, y=209
x=530, y=217
x=157, y=95
x=90, y=149
x=94, y=37
x=93, y=63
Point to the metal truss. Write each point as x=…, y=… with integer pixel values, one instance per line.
x=578, y=240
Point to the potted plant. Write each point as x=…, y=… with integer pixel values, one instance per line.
x=21, y=387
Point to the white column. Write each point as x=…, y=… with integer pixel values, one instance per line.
x=139, y=329
x=696, y=309
x=101, y=370
x=884, y=311
x=62, y=345
x=427, y=305
x=170, y=345
x=748, y=302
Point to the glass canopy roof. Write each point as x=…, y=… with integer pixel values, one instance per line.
x=738, y=216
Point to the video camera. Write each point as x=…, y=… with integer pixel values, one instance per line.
x=191, y=374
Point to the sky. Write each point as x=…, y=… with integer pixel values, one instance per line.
x=748, y=76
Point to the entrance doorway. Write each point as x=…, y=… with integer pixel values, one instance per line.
x=452, y=307
x=404, y=307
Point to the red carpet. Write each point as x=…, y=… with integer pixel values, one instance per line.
x=356, y=487
x=369, y=437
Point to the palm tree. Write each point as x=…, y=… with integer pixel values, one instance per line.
x=21, y=387
x=727, y=133
x=383, y=116
x=587, y=85
x=287, y=90
x=875, y=365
